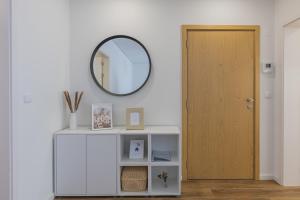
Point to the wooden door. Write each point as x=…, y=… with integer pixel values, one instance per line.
x=70, y=164
x=220, y=93
x=105, y=72
x=101, y=165
x=101, y=69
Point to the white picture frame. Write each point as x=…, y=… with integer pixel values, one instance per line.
x=136, y=150
x=102, y=116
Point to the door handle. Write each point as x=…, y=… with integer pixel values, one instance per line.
x=250, y=100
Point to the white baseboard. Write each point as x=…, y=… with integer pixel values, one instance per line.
x=51, y=196
x=266, y=177
x=270, y=177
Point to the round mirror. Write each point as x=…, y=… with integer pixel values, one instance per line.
x=120, y=65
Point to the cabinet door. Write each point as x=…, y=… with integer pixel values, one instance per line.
x=101, y=165
x=70, y=164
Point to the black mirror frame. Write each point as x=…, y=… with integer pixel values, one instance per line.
x=96, y=50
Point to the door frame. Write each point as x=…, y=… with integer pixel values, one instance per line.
x=184, y=31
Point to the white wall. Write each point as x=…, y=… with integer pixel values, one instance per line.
x=40, y=62
x=291, y=106
x=285, y=12
x=5, y=100
x=157, y=24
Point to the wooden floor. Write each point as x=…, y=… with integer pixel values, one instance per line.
x=224, y=190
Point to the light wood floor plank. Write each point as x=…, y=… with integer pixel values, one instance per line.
x=221, y=190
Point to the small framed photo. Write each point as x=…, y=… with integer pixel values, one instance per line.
x=136, y=150
x=135, y=118
x=102, y=116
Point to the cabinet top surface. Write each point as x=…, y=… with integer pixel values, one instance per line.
x=122, y=130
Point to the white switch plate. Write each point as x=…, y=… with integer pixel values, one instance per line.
x=27, y=98
x=268, y=94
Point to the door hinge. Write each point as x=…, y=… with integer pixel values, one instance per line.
x=186, y=164
x=187, y=105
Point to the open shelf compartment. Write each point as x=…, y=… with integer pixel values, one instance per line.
x=157, y=185
x=165, y=146
x=134, y=193
x=125, y=149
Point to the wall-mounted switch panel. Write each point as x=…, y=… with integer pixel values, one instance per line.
x=27, y=98
x=268, y=68
x=268, y=94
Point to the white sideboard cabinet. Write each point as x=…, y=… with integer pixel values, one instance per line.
x=101, y=164
x=85, y=165
x=90, y=163
x=70, y=162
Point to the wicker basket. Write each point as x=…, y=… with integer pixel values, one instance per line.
x=134, y=179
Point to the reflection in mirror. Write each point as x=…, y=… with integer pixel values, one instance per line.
x=120, y=65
